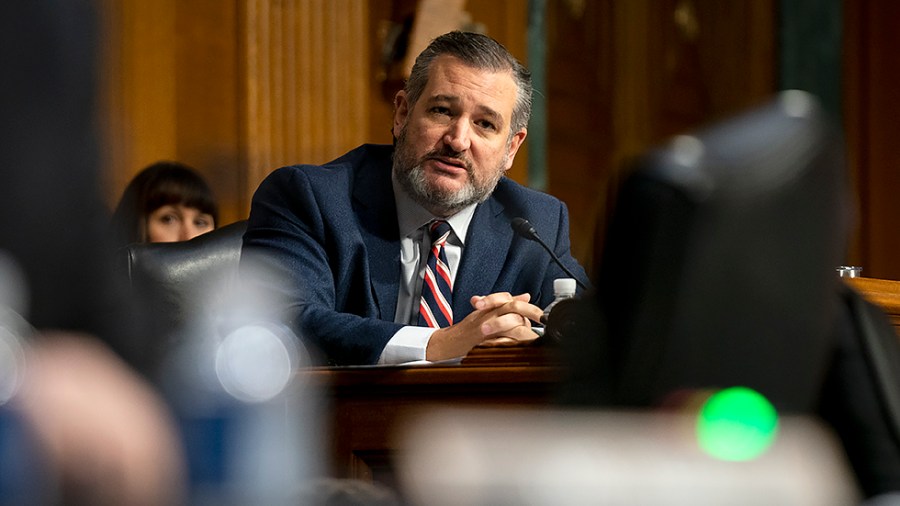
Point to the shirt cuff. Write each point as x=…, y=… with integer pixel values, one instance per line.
x=407, y=345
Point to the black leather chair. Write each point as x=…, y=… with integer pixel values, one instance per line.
x=181, y=282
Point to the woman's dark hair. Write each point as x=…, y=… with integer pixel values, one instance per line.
x=160, y=184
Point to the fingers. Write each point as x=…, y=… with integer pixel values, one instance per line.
x=498, y=342
x=520, y=336
x=512, y=319
x=494, y=300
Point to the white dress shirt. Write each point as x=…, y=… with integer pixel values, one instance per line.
x=409, y=343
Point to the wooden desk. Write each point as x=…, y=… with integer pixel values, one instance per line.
x=368, y=404
x=884, y=293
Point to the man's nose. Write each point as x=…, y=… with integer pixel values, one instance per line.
x=458, y=135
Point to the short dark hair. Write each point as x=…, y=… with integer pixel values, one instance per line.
x=480, y=52
x=163, y=183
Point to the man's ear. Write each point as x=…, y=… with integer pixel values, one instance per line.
x=514, y=143
x=401, y=112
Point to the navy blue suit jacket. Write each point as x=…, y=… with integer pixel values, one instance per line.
x=330, y=236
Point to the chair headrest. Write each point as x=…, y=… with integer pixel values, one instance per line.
x=181, y=280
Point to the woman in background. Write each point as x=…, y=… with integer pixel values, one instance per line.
x=165, y=202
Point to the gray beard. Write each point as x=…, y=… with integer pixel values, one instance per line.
x=411, y=176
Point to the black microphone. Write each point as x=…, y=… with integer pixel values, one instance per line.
x=526, y=230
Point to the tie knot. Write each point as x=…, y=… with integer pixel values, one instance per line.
x=439, y=230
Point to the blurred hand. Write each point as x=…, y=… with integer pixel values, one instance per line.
x=107, y=435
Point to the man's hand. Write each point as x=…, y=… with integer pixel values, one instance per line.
x=498, y=319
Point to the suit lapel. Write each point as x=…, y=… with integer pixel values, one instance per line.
x=377, y=214
x=487, y=244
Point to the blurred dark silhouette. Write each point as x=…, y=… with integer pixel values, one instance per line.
x=52, y=219
x=100, y=432
x=719, y=260
x=719, y=271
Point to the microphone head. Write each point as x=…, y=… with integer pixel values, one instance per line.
x=523, y=228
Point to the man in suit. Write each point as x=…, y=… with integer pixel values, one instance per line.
x=348, y=242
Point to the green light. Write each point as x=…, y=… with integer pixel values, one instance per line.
x=737, y=424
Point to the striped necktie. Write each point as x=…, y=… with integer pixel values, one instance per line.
x=436, y=306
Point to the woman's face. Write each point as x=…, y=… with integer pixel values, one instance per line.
x=176, y=222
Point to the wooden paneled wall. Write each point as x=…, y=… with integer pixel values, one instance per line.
x=234, y=88
x=872, y=109
x=623, y=76
x=306, y=73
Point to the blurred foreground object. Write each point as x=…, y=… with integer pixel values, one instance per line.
x=106, y=437
x=467, y=457
x=718, y=265
x=81, y=425
x=718, y=271
x=250, y=425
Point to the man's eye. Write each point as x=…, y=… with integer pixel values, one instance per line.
x=440, y=110
x=487, y=125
